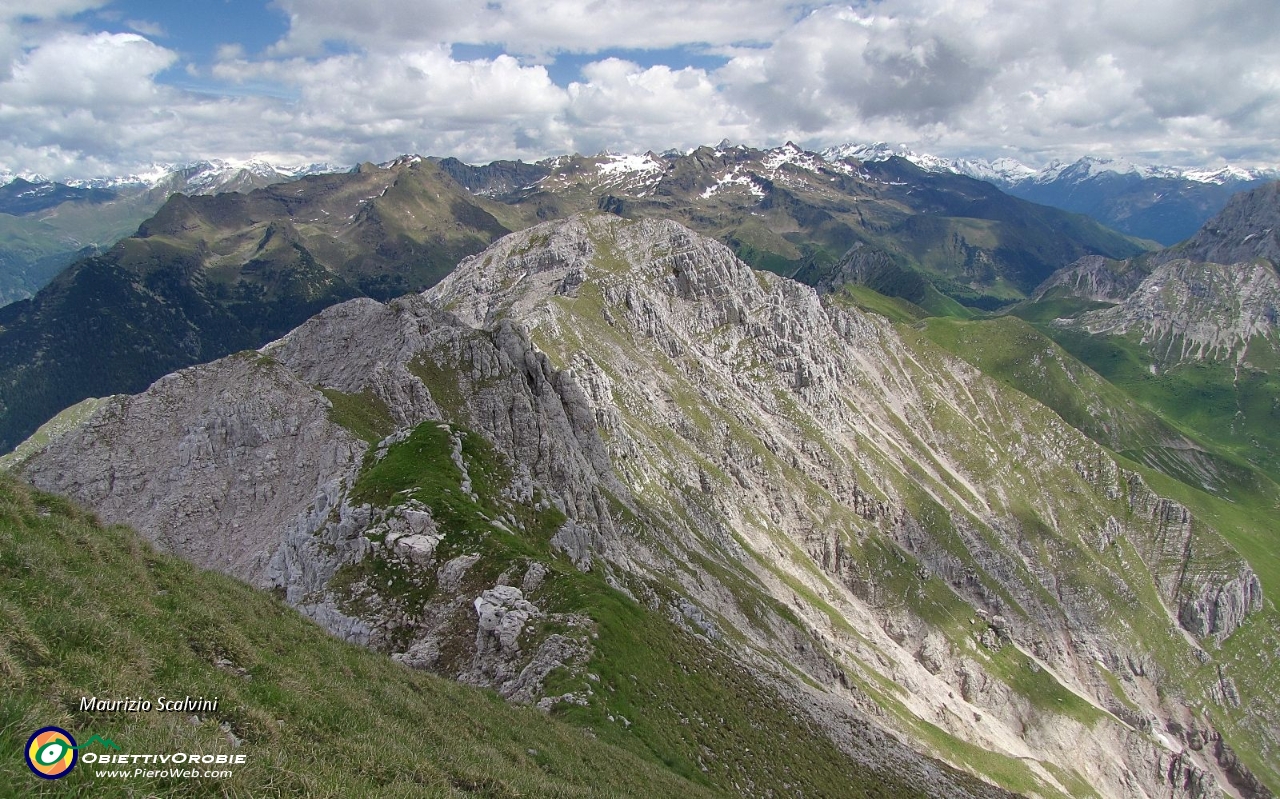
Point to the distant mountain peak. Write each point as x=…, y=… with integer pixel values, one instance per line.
x=215, y=170
x=1000, y=171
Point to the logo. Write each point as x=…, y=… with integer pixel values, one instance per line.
x=51, y=753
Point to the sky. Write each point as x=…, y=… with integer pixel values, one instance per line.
x=98, y=87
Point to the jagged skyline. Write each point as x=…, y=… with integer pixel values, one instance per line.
x=95, y=87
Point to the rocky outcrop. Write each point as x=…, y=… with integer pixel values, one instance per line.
x=1210, y=589
x=1095, y=278
x=1218, y=609
x=1205, y=299
x=212, y=463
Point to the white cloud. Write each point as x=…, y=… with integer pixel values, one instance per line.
x=361, y=106
x=531, y=26
x=97, y=73
x=621, y=106
x=981, y=76
x=80, y=100
x=1173, y=80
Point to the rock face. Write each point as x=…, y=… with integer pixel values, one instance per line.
x=1096, y=278
x=208, y=459
x=904, y=548
x=1247, y=229
x=1189, y=310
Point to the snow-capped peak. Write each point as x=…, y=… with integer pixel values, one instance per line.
x=789, y=153
x=1010, y=172
x=1228, y=174
x=196, y=174
x=402, y=160
x=8, y=176
x=876, y=151
x=1007, y=170
x=1090, y=167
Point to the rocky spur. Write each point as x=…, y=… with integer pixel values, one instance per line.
x=136, y=704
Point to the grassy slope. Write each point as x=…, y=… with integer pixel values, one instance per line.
x=87, y=610
x=1236, y=408
x=1020, y=355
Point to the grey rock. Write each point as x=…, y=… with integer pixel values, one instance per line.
x=450, y=574
x=502, y=613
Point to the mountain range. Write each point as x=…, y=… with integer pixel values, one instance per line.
x=952, y=494
x=45, y=225
x=209, y=275
x=1165, y=204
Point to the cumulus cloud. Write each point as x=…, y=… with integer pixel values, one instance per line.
x=97, y=73
x=620, y=106
x=532, y=26
x=1058, y=77
x=87, y=97
x=1181, y=81
x=359, y=106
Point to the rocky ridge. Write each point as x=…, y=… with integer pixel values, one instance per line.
x=883, y=534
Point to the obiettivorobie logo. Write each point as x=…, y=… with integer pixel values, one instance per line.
x=52, y=752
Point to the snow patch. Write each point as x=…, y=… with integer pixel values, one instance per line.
x=628, y=165
x=734, y=178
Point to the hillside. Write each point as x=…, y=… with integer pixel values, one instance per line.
x=312, y=715
x=45, y=226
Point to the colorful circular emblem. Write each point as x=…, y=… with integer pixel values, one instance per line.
x=51, y=753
